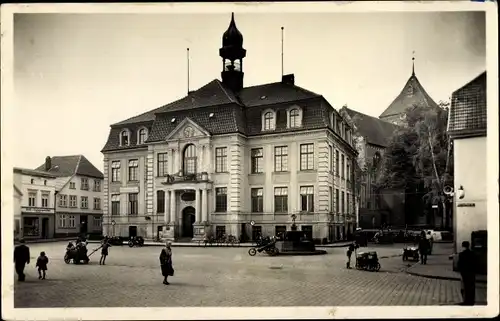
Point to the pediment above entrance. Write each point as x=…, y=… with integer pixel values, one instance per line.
x=187, y=129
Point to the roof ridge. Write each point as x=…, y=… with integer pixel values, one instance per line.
x=471, y=81
x=78, y=164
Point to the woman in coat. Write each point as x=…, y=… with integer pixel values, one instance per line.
x=166, y=262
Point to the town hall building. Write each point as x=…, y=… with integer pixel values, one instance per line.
x=234, y=160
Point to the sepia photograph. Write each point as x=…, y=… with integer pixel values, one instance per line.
x=277, y=156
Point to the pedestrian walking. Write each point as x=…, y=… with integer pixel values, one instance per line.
x=467, y=268
x=21, y=258
x=42, y=263
x=430, y=239
x=104, y=252
x=423, y=248
x=166, y=262
x=352, y=248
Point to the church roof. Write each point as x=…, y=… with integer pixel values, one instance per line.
x=413, y=93
x=468, y=107
x=376, y=131
x=62, y=166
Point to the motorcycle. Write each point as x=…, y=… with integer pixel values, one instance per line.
x=136, y=241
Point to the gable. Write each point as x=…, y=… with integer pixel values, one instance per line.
x=187, y=129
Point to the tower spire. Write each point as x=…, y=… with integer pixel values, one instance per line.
x=282, y=41
x=188, y=70
x=413, y=64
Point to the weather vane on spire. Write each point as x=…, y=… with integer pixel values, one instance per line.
x=413, y=63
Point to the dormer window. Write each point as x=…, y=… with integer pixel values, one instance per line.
x=125, y=138
x=269, y=121
x=294, y=117
x=142, y=135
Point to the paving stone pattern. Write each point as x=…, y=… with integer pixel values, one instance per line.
x=225, y=277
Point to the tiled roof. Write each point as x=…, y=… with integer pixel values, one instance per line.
x=62, y=166
x=376, y=131
x=273, y=93
x=412, y=94
x=33, y=172
x=468, y=107
x=232, y=112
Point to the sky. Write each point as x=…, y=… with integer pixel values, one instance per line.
x=76, y=74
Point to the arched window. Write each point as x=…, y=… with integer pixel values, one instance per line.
x=268, y=121
x=189, y=160
x=294, y=118
x=125, y=138
x=142, y=136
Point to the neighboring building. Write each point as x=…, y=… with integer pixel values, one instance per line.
x=34, y=193
x=226, y=156
x=78, y=184
x=467, y=128
x=372, y=136
x=413, y=93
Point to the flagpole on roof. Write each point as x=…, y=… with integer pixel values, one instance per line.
x=282, y=49
x=413, y=63
x=188, y=70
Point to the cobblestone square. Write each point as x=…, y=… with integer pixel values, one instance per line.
x=225, y=277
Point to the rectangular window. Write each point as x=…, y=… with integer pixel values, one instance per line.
x=160, y=201
x=115, y=171
x=63, y=200
x=337, y=201
x=85, y=202
x=330, y=197
x=342, y=209
x=331, y=155
x=133, y=170
x=115, y=204
x=97, y=185
x=281, y=199
x=72, y=201
x=162, y=164
x=62, y=220
x=45, y=199
x=347, y=205
x=281, y=159
x=337, y=163
x=32, y=199
x=97, y=203
x=306, y=157
x=257, y=200
x=307, y=198
x=342, y=168
x=221, y=199
x=72, y=185
x=257, y=160
x=348, y=171
x=84, y=184
x=133, y=205
x=221, y=159
x=71, y=221
x=97, y=221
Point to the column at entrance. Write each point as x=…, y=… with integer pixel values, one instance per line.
x=199, y=228
x=166, y=215
x=170, y=228
x=204, y=206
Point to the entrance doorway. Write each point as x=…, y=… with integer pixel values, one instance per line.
x=188, y=218
x=45, y=227
x=83, y=224
x=158, y=231
x=132, y=231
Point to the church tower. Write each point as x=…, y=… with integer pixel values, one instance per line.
x=413, y=93
x=232, y=54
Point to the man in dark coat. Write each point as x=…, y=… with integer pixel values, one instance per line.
x=423, y=248
x=467, y=269
x=21, y=258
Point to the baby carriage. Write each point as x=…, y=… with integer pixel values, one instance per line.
x=367, y=261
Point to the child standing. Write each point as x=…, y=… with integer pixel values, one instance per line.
x=104, y=252
x=41, y=263
x=352, y=248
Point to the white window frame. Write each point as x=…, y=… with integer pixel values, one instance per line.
x=71, y=203
x=97, y=185
x=72, y=185
x=84, y=184
x=298, y=123
x=62, y=220
x=128, y=137
x=71, y=221
x=97, y=221
x=116, y=165
x=308, y=192
x=139, y=142
x=97, y=203
x=84, y=202
x=45, y=196
x=30, y=198
x=63, y=200
x=272, y=122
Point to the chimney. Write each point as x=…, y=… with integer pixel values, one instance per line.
x=48, y=163
x=288, y=79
